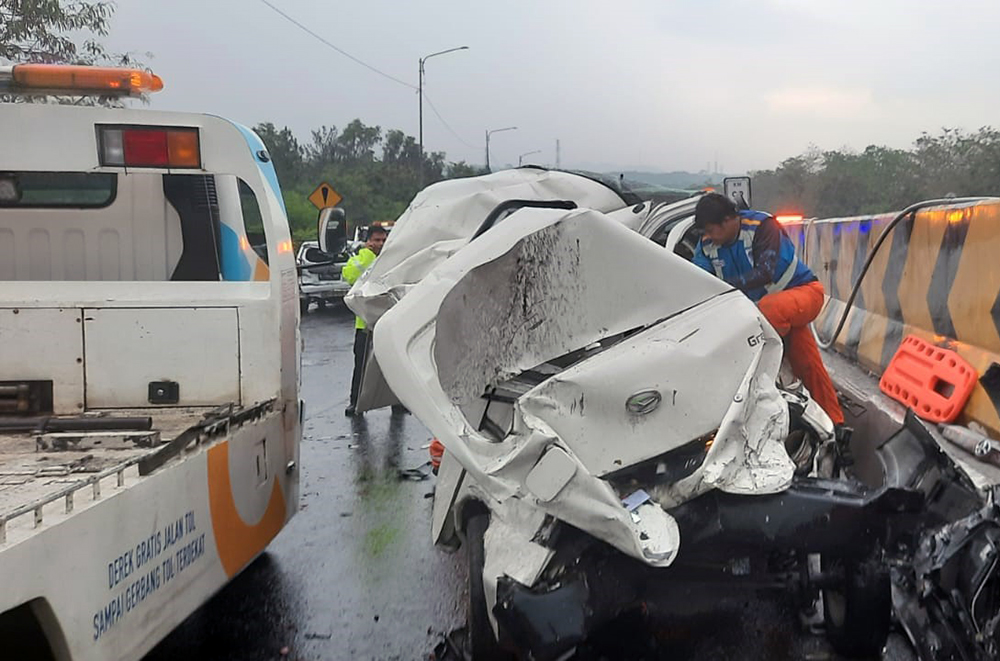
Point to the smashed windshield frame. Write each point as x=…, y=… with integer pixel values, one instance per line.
x=636, y=192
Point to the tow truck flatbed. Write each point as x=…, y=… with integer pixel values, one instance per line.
x=50, y=474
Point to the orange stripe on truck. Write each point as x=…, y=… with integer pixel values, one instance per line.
x=238, y=542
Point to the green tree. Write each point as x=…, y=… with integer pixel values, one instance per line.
x=959, y=163
x=358, y=142
x=285, y=151
x=400, y=149
x=790, y=186
x=50, y=31
x=377, y=172
x=301, y=215
x=843, y=182
x=324, y=148
x=462, y=169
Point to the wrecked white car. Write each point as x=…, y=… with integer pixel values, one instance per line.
x=611, y=414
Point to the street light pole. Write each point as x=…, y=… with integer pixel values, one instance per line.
x=420, y=95
x=520, y=159
x=488, y=133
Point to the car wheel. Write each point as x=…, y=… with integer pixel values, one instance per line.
x=481, y=639
x=303, y=305
x=858, y=610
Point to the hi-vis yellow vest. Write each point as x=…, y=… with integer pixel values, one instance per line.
x=352, y=271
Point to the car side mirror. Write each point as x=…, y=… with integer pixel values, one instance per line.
x=331, y=230
x=316, y=255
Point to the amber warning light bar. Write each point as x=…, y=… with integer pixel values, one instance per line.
x=76, y=80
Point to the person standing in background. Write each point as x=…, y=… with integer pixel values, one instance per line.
x=356, y=266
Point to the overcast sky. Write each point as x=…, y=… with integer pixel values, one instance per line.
x=650, y=84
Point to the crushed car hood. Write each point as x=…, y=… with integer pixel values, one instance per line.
x=443, y=217
x=595, y=351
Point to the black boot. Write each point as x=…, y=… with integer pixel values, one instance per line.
x=843, y=435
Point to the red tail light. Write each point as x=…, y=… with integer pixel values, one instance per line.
x=145, y=148
x=142, y=147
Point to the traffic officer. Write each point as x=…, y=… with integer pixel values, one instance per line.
x=355, y=266
x=750, y=251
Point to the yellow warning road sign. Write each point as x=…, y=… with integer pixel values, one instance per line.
x=324, y=196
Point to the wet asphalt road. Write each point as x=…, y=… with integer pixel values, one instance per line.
x=354, y=575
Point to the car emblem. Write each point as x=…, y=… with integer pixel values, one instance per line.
x=643, y=402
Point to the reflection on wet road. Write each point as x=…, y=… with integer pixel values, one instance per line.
x=354, y=575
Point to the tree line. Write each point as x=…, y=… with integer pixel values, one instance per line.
x=376, y=171
x=844, y=182
x=379, y=171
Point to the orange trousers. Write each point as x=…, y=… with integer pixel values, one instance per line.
x=790, y=312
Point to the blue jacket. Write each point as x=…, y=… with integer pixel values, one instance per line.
x=761, y=260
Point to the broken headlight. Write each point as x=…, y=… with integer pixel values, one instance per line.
x=668, y=467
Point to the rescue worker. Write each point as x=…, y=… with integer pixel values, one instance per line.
x=750, y=251
x=355, y=266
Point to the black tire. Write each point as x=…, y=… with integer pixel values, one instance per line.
x=483, y=643
x=303, y=305
x=858, y=613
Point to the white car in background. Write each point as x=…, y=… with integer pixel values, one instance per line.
x=320, y=278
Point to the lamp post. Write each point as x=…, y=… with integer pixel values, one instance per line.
x=420, y=93
x=489, y=132
x=520, y=159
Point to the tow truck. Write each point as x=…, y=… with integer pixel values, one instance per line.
x=613, y=417
x=149, y=364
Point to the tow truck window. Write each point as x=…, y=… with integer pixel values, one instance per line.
x=136, y=226
x=253, y=221
x=81, y=190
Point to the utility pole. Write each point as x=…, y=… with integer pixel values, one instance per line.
x=558, y=155
x=488, y=133
x=520, y=159
x=420, y=121
x=420, y=96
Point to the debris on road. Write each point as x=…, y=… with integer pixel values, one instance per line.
x=418, y=474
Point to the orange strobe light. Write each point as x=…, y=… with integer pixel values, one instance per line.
x=73, y=79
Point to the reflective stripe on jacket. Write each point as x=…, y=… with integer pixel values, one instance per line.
x=761, y=260
x=353, y=269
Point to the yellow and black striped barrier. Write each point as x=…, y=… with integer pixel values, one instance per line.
x=937, y=276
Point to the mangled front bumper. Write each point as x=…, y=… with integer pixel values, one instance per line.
x=550, y=617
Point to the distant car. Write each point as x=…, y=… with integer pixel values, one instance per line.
x=319, y=284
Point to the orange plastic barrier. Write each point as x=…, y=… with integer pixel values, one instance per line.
x=437, y=451
x=932, y=381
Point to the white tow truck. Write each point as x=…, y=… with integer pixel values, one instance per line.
x=149, y=364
